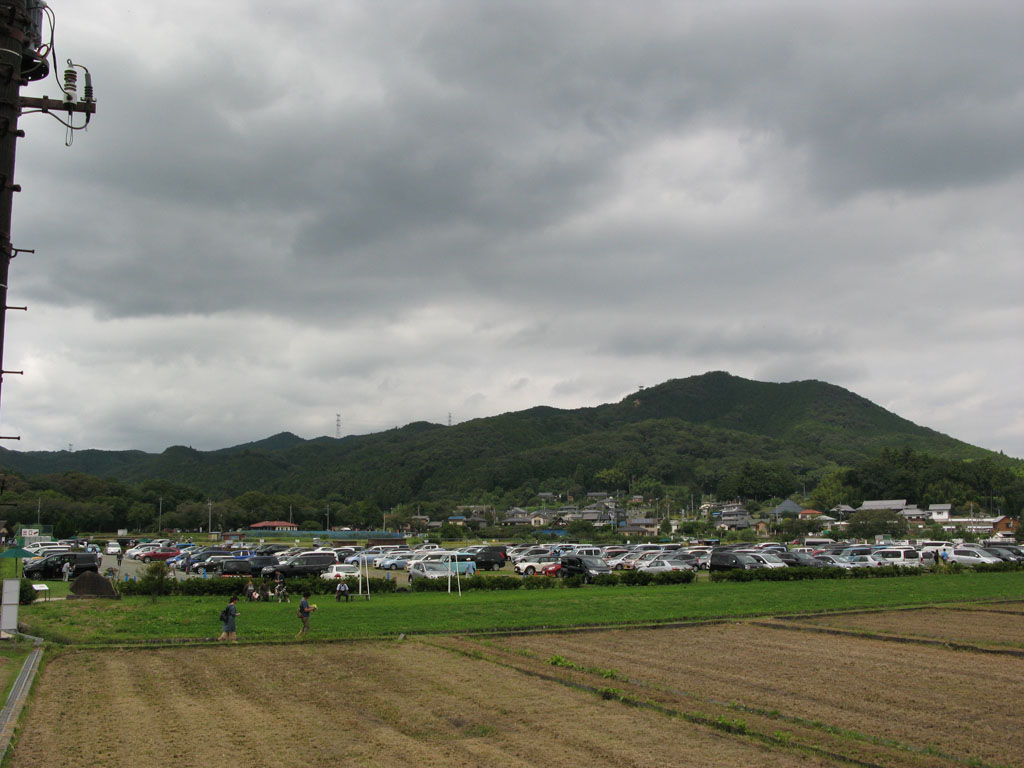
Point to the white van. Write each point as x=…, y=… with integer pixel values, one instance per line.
x=905, y=556
x=112, y=548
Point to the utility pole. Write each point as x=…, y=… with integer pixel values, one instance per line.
x=24, y=58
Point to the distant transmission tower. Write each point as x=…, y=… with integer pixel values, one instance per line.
x=449, y=418
x=337, y=426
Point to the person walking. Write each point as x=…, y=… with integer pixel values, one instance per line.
x=227, y=621
x=66, y=570
x=119, y=557
x=305, y=609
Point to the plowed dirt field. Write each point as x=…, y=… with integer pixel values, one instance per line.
x=757, y=693
x=996, y=628
x=339, y=705
x=925, y=698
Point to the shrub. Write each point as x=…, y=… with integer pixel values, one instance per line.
x=235, y=586
x=156, y=580
x=541, y=582
x=674, y=577
x=803, y=574
x=26, y=594
x=635, y=578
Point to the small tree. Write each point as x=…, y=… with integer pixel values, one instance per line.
x=156, y=579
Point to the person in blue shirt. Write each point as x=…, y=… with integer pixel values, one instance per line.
x=228, y=621
x=305, y=609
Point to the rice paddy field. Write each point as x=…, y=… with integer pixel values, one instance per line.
x=927, y=685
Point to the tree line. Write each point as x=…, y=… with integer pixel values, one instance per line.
x=75, y=501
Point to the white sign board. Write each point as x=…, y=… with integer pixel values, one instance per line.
x=29, y=532
x=122, y=531
x=9, y=606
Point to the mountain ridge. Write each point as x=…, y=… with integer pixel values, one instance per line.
x=676, y=432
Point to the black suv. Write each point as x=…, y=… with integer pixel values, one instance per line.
x=302, y=564
x=726, y=560
x=799, y=559
x=585, y=566
x=489, y=559
x=51, y=566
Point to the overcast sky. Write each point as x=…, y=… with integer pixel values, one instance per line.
x=399, y=210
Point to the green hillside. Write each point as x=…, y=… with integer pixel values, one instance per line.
x=685, y=432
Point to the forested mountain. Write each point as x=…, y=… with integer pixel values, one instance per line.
x=714, y=433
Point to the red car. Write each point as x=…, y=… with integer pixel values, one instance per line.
x=164, y=553
x=551, y=569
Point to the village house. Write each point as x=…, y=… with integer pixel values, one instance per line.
x=274, y=525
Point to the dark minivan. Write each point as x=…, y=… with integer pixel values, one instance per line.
x=726, y=560
x=51, y=566
x=303, y=564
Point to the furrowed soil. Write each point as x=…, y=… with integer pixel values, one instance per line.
x=878, y=701
x=784, y=692
x=360, y=703
x=999, y=627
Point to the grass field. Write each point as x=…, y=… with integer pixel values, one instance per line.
x=188, y=618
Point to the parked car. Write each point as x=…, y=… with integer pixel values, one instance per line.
x=340, y=571
x=904, y=556
x=587, y=566
x=372, y=554
x=1006, y=555
x=551, y=569
x=462, y=563
x=51, y=566
x=615, y=561
x=212, y=564
x=799, y=559
x=1012, y=548
x=233, y=567
x=303, y=564
x=394, y=562
x=163, y=553
x=427, y=570
x=532, y=552
x=835, y=561
x=112, y=548
x=489, y=559
x=638, y=557
x=727, y=560
x=766, y=558
x=271, y=549
x=531, y=565
x=702, y=556
x=136, y=552
x=971, y=557
x=668, y=562
x=239, y=566
x=861, y=561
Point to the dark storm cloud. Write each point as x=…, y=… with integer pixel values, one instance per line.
x=479, y=206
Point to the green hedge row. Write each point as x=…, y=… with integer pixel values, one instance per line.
x=988, y=567
x=236, y=586
x=624, y=578
x=803, y=573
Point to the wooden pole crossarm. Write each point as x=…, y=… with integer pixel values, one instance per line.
x=46, y=104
